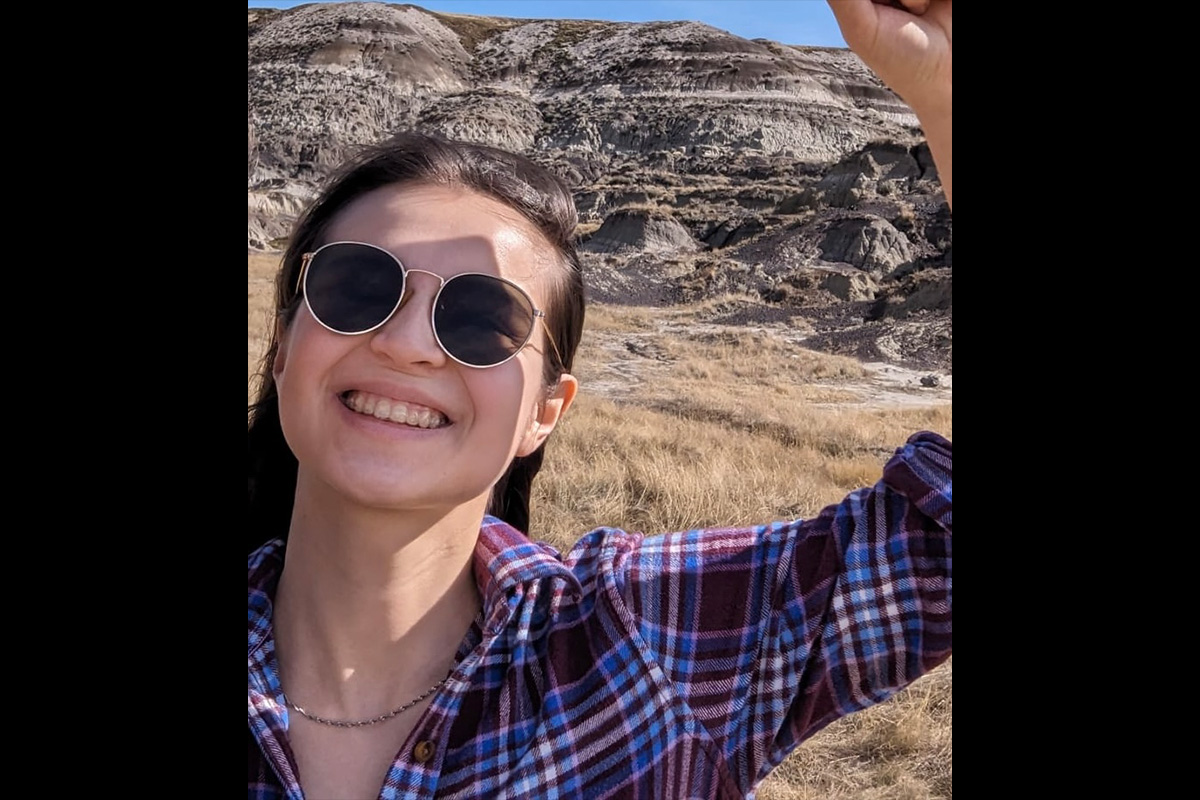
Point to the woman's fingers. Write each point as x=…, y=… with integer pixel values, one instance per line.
x=909, y=49
x=858, y=19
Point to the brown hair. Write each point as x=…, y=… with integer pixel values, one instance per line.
x=416, y=158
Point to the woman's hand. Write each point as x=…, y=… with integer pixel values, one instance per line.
x=907, y=44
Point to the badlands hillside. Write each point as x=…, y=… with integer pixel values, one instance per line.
x=783, y=184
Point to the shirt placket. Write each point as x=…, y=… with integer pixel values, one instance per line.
x=415, y=772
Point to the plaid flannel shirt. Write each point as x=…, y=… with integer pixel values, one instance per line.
x=685, y=665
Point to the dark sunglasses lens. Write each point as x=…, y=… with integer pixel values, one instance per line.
x=482, y=320
x=353, y=287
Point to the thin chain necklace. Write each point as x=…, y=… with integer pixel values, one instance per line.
x=358, y=723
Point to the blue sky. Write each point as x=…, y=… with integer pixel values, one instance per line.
x=787, y=21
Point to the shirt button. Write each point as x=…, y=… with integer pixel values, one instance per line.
x=423, y=751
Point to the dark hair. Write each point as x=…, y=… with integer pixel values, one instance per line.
x=415, y=158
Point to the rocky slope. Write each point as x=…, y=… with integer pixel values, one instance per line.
x=703, y=164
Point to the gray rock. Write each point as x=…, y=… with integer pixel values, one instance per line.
x=868, y=243
x=640, y=230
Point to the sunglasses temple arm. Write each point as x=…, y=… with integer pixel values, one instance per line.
x=550, y=339
x=304, y=259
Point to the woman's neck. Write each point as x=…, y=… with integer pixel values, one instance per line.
x=371, y=605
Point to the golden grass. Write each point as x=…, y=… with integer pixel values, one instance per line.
x=260, y=306
x=618, y=318
x=681, y=423
x=901, y=749
x=660, y=469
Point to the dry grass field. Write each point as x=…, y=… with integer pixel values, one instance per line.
x=682, y=422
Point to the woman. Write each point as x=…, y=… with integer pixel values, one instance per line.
x=407, y=640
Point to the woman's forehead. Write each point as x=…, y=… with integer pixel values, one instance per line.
x=442, y=228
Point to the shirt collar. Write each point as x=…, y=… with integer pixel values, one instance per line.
x=506, y=561
x=265, y=565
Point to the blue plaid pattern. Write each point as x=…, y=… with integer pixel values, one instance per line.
x=686, y=665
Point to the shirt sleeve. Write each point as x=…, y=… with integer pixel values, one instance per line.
x=771, y=633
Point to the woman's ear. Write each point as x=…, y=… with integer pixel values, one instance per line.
x=549, y=412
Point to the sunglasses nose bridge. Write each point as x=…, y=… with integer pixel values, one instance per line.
x=409, y=289
x=441, y=281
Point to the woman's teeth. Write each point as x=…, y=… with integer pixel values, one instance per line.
x=394, y=411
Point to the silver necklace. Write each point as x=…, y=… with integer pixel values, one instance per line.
x=358, y=723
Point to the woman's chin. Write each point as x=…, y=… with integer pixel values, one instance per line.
x=411, y=488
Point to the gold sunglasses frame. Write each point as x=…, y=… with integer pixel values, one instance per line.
x=538, y=314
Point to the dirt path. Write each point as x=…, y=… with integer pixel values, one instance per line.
x=896, y=387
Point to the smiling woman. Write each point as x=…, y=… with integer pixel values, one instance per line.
x=406, y=637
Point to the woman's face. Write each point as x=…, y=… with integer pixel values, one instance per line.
x=470, y=423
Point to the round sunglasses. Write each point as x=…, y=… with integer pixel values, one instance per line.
x=478, y=320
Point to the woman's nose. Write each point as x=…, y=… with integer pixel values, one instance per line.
x=407, y=337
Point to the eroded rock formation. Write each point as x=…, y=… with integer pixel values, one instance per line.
x=702, y=163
